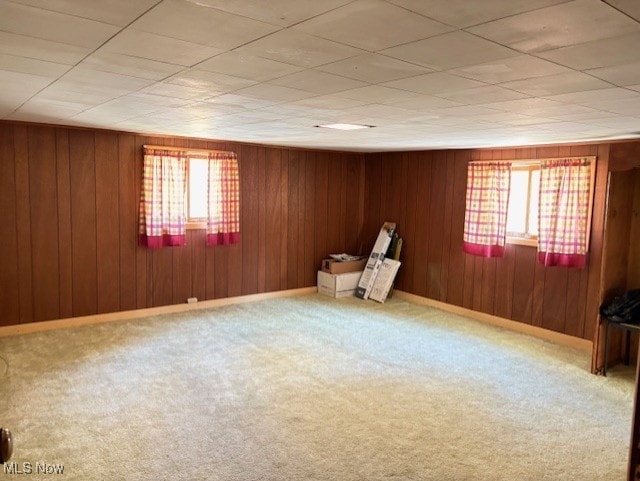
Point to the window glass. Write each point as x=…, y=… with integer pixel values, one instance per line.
x=198, y=177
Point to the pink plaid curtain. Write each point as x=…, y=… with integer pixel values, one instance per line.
x=485, y=219
x=565, y=187
x=223, y=222
x=162, y=199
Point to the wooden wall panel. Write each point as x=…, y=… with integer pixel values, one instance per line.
x=23, y=222
x=44, y=222
x=107, y=221
x=70, y=224
x=127, y=222
x=82, y=171
x=516, y=286
x=9, y=291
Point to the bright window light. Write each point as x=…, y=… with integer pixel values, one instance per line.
x=198, y=179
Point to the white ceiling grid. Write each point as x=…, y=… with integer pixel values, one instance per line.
x=427, y=73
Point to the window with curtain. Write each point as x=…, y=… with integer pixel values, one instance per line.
x=487, y=201
x=162, y=198
x=566, y=190
x=189, y=189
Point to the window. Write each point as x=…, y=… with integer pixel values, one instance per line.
x=197, y=172
x=522, y=212
x=188, y=189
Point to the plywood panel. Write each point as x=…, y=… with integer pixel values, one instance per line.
x=9, y=292
x=301, y=160
x=405, y=275
x=310, y=220
x=262, y=221
x=248, y=160
x=143, y=258
x=83, y=221
x=293, y=203
x=128, y=221
x=284, y=216
x=44, y=222
x=455, y=289
x=321, y=206
x=523, y=283
x=436, y=221
x=273, y=215
x=107, y=221
x=424, y=228
x=23, y=222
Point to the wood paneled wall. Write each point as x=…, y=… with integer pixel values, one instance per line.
x=69, y=214
x=424, y=192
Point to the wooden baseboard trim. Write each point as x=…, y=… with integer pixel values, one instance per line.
x=555, y=337
x=31, y=327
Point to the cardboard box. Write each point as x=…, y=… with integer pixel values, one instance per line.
x=338, y=285
x=375, y=260
x=384, y=280
x=333, y=266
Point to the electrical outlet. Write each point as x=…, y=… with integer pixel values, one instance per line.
x=192, y=300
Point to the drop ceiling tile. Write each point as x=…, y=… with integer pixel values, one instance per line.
x=85, y=75
x=40, y=68
x=619, y=122
x=175, y=91
x=556, y=84
x=377, y=94
x=630, y=7
x=20, y=86
x=240, y=102
x=421, y=103
x=570, y=23
x=597, y=53
x=622, y=75
x=248, y=66
x=465, y=13
x=373, y=68
x=273, y=93
x=317, y=82
x=464, y=111
x=130, y=66
x=451, y=50
x=276, y=12
x=507, y=69
x=59, y=109
x=629, y=106
x=202, y=25
x=214, y=83
x=372, y=25
x=159, y=48
x=298, y=48
x=114, y=12
x=327, y=103
x=482, y=95
x=36, y=48
x=434, y=83
x=48, y=25
x=531, y=106
x=595, y=97
x=634, y=87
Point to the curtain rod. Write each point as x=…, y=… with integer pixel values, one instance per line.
x=186, y=149
x=537, y=161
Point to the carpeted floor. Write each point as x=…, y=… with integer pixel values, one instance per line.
x=311, y=388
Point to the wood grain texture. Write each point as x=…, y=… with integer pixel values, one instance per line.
x=9, y=289
x=70, y=224
x=516, y=286
x=288, y=199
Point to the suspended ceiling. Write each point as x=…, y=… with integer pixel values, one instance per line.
x=426, y=73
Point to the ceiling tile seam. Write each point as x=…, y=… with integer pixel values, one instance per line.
x=86, y=56
x=454, y=27
x=63, y=13
x=606, y=2
x=516, y=14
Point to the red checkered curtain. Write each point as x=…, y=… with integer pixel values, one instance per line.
x=565, y=190
x=163, y=199
x=485, y=219
x=223, y=220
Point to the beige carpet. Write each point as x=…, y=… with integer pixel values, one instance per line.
x=311, y=388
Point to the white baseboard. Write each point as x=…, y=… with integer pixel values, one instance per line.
x=553, y=336
x=151, y=311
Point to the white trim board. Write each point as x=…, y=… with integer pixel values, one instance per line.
x=553, y=336
x=31, y=327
